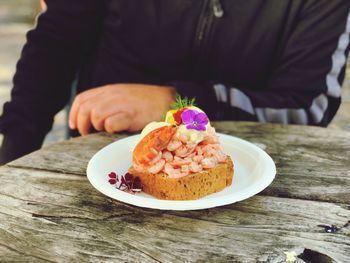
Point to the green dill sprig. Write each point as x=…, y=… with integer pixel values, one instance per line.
x=181, y=103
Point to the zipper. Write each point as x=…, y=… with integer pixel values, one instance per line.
x=211, y=10
x=202, y=25
x=217, y=8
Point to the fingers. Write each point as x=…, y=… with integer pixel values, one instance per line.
x=117, y=122
x=98, y=118
x=79, y=100
x=73, y=114
x=104, y=109
x=106, y=120
x=103, y=113
x=83, y=123
x=112, y=107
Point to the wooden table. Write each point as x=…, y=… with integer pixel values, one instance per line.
x=50, y=212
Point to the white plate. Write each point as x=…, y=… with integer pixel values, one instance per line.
x=254, y=171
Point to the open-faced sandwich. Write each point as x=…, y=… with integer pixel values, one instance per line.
x=181, y=158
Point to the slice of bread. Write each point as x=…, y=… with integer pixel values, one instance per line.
x=190, y=187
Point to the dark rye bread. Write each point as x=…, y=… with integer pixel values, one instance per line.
x=189, y=187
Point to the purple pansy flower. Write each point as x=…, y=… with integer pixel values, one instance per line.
x=194, y=120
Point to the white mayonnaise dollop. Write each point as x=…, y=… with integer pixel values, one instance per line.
x=193, y=136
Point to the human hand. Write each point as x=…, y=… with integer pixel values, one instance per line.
x=120, y=107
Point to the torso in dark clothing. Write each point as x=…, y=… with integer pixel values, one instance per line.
x=160, y=42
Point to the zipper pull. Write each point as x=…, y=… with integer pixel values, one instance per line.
x=217, y=8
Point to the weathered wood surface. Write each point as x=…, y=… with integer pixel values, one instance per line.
x=70, y=156
x=50, y=213
x=46, y=216
x=312, y=163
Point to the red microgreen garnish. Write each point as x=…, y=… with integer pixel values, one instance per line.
x=113, y=179
x=127, y=183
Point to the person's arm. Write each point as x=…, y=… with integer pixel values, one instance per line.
x=45, y=71
x=305, y=85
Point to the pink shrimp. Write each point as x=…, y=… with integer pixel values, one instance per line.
x=182, y=137
x=199, y=150
x=211, y=138
x=172, y=172
x=208, y=163
x=157, y=167
x=190, y=156
x=173, y=145
x=220, y=156
x=164, y=150
x=177, y=162
x=195, y=167
x=198, y=158
x=168, y=156
x=185, y=169
x=209, y=150
x=156, y=159
x=184, y=150
x=153, y=143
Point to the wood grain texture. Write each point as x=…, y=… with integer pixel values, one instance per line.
x=56, y=217
x=70, y=156
x=312, y=163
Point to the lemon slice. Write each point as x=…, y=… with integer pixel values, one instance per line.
x=169, y=118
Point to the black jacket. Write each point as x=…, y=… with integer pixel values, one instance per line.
x=260, y=60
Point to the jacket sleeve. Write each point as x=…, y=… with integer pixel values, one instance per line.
x=44, y=73
x=305, y=84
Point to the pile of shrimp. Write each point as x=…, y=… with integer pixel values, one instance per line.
x=177, y=156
